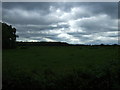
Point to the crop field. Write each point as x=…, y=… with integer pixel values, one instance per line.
x=61, y=67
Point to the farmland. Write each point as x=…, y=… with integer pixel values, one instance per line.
x=61, y=67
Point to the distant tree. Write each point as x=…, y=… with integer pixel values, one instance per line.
x=115, y=44
x=102, y=44
x=8, y=36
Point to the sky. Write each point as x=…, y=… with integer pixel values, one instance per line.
x=71, y=22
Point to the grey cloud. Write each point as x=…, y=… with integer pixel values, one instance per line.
x=20, y=16
x=0, y=11
x=98, y=24
x=110, y=8
x=43, y=9
x=63, y=21
x=28, y=6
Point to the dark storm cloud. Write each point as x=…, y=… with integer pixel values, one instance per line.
x=71, y=22
x=108, y=8
x=99, y=23
x=28, y=6
x=43, y=8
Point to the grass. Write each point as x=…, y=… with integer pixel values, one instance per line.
x=59, y=68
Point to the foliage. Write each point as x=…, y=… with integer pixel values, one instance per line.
x=8, y=36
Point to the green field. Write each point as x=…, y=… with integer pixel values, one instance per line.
x=56, y=68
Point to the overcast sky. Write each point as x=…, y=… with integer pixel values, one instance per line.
x=74, y=23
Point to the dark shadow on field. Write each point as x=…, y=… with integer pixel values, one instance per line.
x=76, y=80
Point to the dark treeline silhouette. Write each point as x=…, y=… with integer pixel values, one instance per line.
x=8, y=36
x=42, y=44
x=55, y=44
